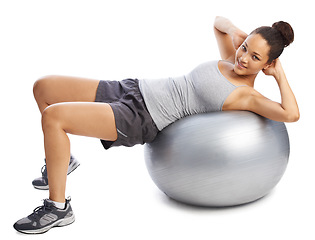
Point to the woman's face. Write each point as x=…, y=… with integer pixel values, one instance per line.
x=252, y=56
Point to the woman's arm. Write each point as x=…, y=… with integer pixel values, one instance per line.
x=229, y=37
x=287, y=111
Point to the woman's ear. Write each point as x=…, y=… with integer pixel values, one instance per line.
x=268, y=65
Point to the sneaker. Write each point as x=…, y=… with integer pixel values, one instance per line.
x=45, y=217
x=42, y=182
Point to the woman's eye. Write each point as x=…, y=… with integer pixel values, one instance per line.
x=243, y=47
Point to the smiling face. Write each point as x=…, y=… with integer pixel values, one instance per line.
x=252, y=56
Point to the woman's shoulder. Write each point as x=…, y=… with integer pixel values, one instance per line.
x=225, y=63
x=206, y=66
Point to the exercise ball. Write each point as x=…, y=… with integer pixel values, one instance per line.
x=218, y=159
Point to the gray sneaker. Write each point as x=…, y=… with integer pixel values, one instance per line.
x=45, y=217
x=42, y=182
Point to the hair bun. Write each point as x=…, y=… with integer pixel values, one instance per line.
x=286, y=32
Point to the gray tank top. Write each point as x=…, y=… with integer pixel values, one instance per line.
x=204, y=89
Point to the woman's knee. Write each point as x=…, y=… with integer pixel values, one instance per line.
x=52, y=117
x=42, y=85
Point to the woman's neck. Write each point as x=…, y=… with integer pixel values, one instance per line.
x=248, y=80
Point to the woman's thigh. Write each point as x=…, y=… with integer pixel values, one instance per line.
x=56, y=89
x=82, y=118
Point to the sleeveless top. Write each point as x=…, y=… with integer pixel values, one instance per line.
x=202, y=90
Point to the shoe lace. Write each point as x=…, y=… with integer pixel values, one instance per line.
x=41, y=210
x=44, y=170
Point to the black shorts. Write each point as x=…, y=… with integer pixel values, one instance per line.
x=134, y=123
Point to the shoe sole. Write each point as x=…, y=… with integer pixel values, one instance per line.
x=72, y=168
x=59, y=223
x=41, y=187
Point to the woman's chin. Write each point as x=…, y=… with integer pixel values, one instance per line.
x=239, y=71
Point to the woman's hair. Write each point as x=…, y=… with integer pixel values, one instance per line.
x=279, y=36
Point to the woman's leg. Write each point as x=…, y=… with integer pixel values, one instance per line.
x=56, y=89
x=81, y=118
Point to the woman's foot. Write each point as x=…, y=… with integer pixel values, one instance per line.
x=42, y=182
x=45, y=217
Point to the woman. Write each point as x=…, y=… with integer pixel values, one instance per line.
x=132, y=111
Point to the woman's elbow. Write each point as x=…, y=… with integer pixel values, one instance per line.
x=293, y=117
x=216, y=19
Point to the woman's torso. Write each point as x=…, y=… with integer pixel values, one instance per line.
x=204, y=89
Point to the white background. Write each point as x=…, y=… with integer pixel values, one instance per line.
x=112, y=194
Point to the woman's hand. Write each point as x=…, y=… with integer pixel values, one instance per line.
x=274, y=69
x=238, y=37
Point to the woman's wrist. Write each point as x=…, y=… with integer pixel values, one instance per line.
x=280, y=77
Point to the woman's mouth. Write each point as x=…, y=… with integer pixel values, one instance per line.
x=240, y=65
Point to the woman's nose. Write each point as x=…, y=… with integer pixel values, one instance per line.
x=244, y=58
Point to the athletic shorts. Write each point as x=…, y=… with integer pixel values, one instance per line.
x=134, y=123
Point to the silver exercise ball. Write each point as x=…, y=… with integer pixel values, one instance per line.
x=219, y=159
